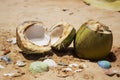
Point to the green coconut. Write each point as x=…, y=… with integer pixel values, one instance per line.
x=34, y=38
x=93, y=40
x=38, y=67
x=113, y=5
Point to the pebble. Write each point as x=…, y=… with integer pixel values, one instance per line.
x=9, y=74
x=50, y=62
x=6, y=59
x=13, y=74
x=109, y=72
x=20, y=63
x=7, y=51
x=2, y=67
x=64, y=10
x=12, y=40
x=38, y=67
x=67, y=69
x=62, y=64
x=112, y=72
x=78, y=70
x=73, y=65
x=104, y=64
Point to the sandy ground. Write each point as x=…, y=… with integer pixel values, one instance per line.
x=50, y=12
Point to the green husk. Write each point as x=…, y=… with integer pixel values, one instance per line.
x=90, y=44
x=66, y=39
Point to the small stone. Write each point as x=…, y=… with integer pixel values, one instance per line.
x=64, y=10
x=112, y=72
x=67, y=69
x=73, y=65
x=78, y=70
x=7, y=51
x=9, y=74
x=50, y=62
x=13, y=74
x=109, y=72
x=12, y=40
x=62, y=64
x=104, y=64
x=6, y=59
x=20, y=63
x=38, y=67
x=2, y=67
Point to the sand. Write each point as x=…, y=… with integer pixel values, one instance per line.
x=51, y=12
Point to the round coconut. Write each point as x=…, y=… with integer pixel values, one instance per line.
x=34, y=37
x=113, y=5
x=93, y=40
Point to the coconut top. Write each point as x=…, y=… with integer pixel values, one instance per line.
x=98, y=27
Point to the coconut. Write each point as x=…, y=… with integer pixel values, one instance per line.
x=93, y=40
x=34, y=37
x=113, y=5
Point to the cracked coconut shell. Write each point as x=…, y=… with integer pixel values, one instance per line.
x=34, y=37
x=113, y=5
x=93, y=40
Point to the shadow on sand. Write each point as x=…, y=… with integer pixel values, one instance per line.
x=69, y=51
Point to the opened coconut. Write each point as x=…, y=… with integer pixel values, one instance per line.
x=34, y=37
x=105, y=4
x=93, y=40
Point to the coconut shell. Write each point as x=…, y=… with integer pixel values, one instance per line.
x=113, y=5
x=28, y=47
x=92, y=44
x=24, y=44
x=66, y=38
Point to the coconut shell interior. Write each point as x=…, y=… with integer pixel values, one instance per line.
x=38, y=35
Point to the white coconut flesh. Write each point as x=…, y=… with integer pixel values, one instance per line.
x=38, y=35
x=100, y=28
x=55, y=34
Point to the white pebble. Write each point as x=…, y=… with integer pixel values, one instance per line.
x=50, y=62
x=67, y=69
x=12, y=40
x=1, y=67
x=9, y=74
x=79, y=70
x=73, y=64
x=20, y=63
